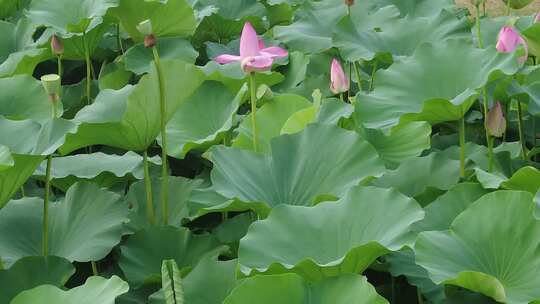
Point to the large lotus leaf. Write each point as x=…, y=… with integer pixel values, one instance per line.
x=331, y=238
x=315, y=21
x=169, y=18
x=87, y=213
x=102, y=169
x=75, y=16
x=405, y=141
x=187, y=131
x=401, y=38
x=95, y=290
x=441, y=212
x=130, y=118
x=31, y=272
x=180, y=190
x=18, y=52
x=209, y=274
x=417, y=8
x=138, y=59
x=23, y=97
x=525, y=179
x=32, y=138
x=271, y=118
x=234, y=9
x=312, y=30
x=519, y=4
x=144, y=251
x=429, y=86
x=504, y=267
x=299, y=168
x=414, y=176
x=293, y=289
x=13, y=177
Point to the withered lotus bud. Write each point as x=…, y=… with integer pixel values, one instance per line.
x=57, y=46
x=149, y=41
x=349, y=2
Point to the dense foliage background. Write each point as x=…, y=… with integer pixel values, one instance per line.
x=383, y=151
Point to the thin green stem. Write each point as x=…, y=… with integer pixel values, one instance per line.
x=508, y=7
x=253, y=90
x=23, y=194
x=358, y=78
x=45, y=229
x=94, y=268
x=88, y=71
x=59, y=59
x=1, y=264
x=488, y=137
x=419, y=296
x=373, y=76
x=163, y=122
x=478, y=29
x=341, y=97
x=490, y=154
x=521, y=134
x=148, y=186
x=393, y=289
x=462, y=147
x=119, y=45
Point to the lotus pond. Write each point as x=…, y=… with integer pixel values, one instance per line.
x=269, y=152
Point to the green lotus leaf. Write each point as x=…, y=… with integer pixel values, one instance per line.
x=293, y=289
x=209, y=274
x=356, y=42
x=234, y=9
x=312, y=30
x=129, y=118
x=414, y=176
x=525, y=179
x=23, y=97
x=271, y=118
x=16, y=174
x=503, y=267
x=405, y=141
x=417, y=8
x=31, y=272
x=417, y=89
x=74, y=43
x=441, y=212
x=138, y=59
x=231, y=230
x=32, y=138
x=18, y=52
x=180, y=190
x=102, y=169
x=187, y=131
x=69, y=16
x=86, y=213
x=299, y=168
x=144, y=251
x=95, y=290
x=519, y=4
x=169, y=18
x=113, y=76
x=377, y=222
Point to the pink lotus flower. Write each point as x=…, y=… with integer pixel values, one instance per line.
x=537, y=18
x=509, y=39
x=339, y=83
x=254, y=56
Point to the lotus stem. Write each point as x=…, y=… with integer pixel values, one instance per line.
x=165, y=167
x=520, y=130
x=490, y=154
x=94, y=268
x=45, y=237
x=253, y=90
x=59, y=59
x=341, y=97
x=489, y=143
x=88, y=71
x=119, y=45
x=462, y=147
x=148, y=187
x=23, y=194
x=358, y=78
x=419, y=296
x=478, y=29
x=508, y=2
x=373, y=76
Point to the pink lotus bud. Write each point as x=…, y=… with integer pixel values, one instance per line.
x=57, y=46
x=508, y=41
x=495, y=121
x=339, y=82
x=537, y=18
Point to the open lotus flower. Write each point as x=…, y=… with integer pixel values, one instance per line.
x=509, y=39
x=254, y=56
x=339, y=83
x=495, y=121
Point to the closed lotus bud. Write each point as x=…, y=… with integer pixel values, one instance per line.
x=57, y=46
x=537, y=18
x=339, y=83
x=52, y=85
x=145, y=27
x=349, y=2
x=149, y=41
x=509, y=40
x=495, y=121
